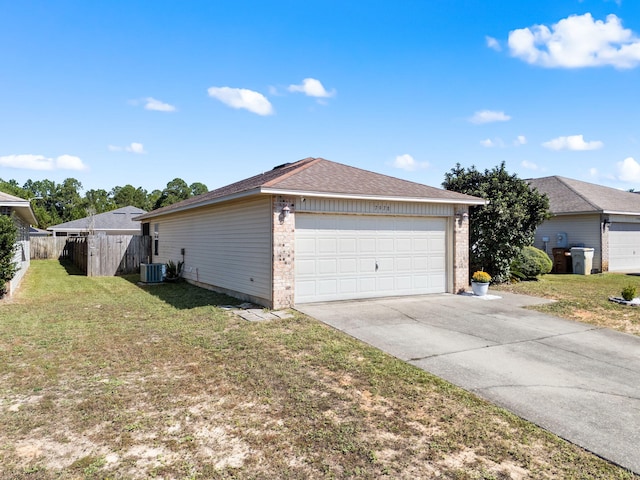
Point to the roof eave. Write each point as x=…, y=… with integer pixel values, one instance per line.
x=26, y=212
x=204, y=203
x=386, y=198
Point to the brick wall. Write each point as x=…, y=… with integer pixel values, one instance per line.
x=605, y=223
x=283, y=253
x=461, y=250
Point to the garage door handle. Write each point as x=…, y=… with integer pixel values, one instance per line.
x=376, y=265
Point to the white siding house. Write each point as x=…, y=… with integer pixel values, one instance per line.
x=316, y=230
x=602, y=218
x=24, y=217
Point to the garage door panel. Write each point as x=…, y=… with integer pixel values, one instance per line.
x=367, y=245
x=404, y=264
x=306, y=267
x=336, y=256
x=348, y=266
x=348, y=245
x=385, y=245
x=328, y=266
x=624, y=246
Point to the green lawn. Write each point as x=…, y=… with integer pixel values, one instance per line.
x=585, y=298
x=101, y=378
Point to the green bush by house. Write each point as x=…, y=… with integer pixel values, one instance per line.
x=530, y=263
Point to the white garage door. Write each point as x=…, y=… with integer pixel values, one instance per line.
x=624, y=246
x=340, y=257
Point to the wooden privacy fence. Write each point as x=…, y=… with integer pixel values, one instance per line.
x=97, y=256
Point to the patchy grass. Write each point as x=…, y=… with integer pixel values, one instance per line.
x=584, y=298
x=101, y=378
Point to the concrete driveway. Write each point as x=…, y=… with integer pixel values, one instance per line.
x=578, y=381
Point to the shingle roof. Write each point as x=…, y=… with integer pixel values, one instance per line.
x=320, y=176
x=568, y=196
x=119, y=219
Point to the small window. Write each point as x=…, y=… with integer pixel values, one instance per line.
x=156, y=235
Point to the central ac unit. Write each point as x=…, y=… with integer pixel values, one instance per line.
x=151, y=272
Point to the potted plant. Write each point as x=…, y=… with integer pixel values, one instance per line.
x=173, y=271
x=480, y=283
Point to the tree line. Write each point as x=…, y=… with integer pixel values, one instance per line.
x=54, y=203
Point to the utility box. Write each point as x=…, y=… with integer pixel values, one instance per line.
x=582, y=260
x=562, y=260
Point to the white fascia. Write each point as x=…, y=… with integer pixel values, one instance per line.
x=298, y=193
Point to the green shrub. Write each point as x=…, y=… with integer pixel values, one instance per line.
x=629, y=292
x=8, y=245
x=530, y=263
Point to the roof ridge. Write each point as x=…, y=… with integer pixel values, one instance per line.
x=293, y=170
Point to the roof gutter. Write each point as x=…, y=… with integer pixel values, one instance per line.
x=273, y=191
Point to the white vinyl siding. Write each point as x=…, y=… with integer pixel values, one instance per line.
x=624, y=246
x=22, y=254
x=226, y=246
x=581, y=230
x=369, y=207
x=341, y=257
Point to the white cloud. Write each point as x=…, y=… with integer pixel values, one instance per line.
x=520, y=140
x=577, y=41
x=133, y=147
x=69, y=162
x=312, y=88
x=491, y=143
x=529, y=165
x=158, y=106
x=628, y=170
x=572, y=142
x=407, y=162
x=238, y=98
x=492, y=43
x=489, y=116
x=40, y=162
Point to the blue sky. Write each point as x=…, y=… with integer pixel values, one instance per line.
x=141, y=92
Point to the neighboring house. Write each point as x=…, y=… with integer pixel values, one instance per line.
x=38, y=232
x=589, y=215
x=115, y=222
x=24, y=217
x=316, y=230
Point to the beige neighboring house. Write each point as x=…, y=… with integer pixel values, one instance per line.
x=116, y=222
x=595, y=216
x=316, y=230
x=24, y=218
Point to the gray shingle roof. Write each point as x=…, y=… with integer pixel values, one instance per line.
x=567, y=196
x=320, y=176
x=119, y=219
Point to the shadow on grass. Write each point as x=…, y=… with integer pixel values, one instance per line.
x=183, y=295
x=70, y=267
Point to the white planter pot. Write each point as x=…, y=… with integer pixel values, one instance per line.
x=479, y=289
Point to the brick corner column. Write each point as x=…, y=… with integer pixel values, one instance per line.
x=283, y=270
x=461, y=249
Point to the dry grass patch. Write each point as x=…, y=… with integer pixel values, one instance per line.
x=584, y=298
x=103, y=379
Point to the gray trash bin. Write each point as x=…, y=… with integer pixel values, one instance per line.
x=582, y=260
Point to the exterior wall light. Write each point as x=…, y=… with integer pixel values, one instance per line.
x=285, y=211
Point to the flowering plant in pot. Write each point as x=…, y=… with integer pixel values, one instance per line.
x=480, y=283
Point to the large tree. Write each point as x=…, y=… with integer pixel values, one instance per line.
x=499, y=230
